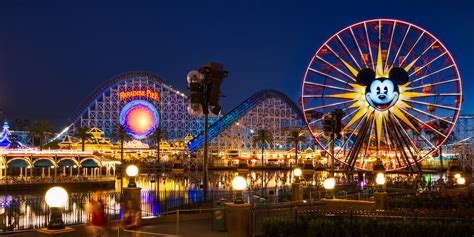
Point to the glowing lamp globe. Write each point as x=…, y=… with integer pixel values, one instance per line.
x=461, y=181
x=239, y=183
x=132, y=170
x=329, y=183
x=457, y=176
x=380, y=179
x=56, y=197
x=297, y=172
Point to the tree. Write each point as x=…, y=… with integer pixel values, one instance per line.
x=262, y=137
x=159, y=134
x=40, y=129
x=83, y=134
x=296, y=137
x=120, y=133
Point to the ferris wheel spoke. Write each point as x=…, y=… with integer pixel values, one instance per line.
x=432, y=84
x=400, y=46
x=369, y=139
x=390, y=46
x=432, y=115
x=396, y=143
x=329, y=105
x=328, y=76
x=349, y=114
x=427, y=141
x=410, y=65
x=403, y=145
x=328, y=86
x=432, y=104
x=358, y=47
x=420, y=94
x=335, y=68
x=368, y=46
x=411, y=49
x=351, y=134
x=387, y=136
x=315, y=121
x=406, y=134
x=352, y=70
x=425, y=124
x=348, y=52
x=433, y=73
x=428, y=63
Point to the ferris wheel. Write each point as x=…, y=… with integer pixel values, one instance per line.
x=398, y=87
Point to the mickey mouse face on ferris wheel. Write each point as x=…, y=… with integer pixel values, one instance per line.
x=382, y=93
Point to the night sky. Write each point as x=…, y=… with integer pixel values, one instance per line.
x=54, y=53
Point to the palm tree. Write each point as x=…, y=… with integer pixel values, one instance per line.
x=39, y=130
x=120, y=133
x=83, y=134
x=296, y=137
x=159, y=134
x=262, y=137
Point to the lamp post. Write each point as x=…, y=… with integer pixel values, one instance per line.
x=379, y=170
x=461, y=180
x=238, y=211
x=380, y=181
x=297, y=186
x=56, y=198
x=297, y=173
x=329, y=185
x=239, y=184
x=380, y=196
x=132, y=171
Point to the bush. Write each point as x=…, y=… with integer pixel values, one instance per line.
x=365, y=227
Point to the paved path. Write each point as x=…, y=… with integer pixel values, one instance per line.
x=198, y=228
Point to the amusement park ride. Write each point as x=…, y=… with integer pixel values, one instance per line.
x=395, y=83
x=381, y=89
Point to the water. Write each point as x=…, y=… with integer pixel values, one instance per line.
x=161, y=193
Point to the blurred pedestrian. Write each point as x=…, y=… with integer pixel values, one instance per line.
x=131, y=219
x=96, y=213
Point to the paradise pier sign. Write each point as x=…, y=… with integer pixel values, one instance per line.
x=149, y=94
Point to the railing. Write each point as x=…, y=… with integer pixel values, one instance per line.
x=58, y=179
x=32, y=212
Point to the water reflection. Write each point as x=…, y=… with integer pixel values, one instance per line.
x=161, y=193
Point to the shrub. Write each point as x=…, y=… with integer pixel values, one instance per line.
x=365, y=227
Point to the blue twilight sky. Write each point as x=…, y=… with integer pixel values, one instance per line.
x=54, y=53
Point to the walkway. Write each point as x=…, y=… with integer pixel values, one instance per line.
x=196, y=228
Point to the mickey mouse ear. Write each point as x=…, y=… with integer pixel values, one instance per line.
x=365, y=76
x=398, y=75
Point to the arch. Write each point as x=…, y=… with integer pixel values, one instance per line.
x=95, y=160
x=69, y=158
x=53, y=162
x=28, y=161
x=235, y=114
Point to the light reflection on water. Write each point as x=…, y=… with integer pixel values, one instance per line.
x=160, y=193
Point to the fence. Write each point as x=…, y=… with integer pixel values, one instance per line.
x=32, y=212
x=297, y=212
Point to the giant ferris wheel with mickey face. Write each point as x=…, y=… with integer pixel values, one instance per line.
x=398, y=87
